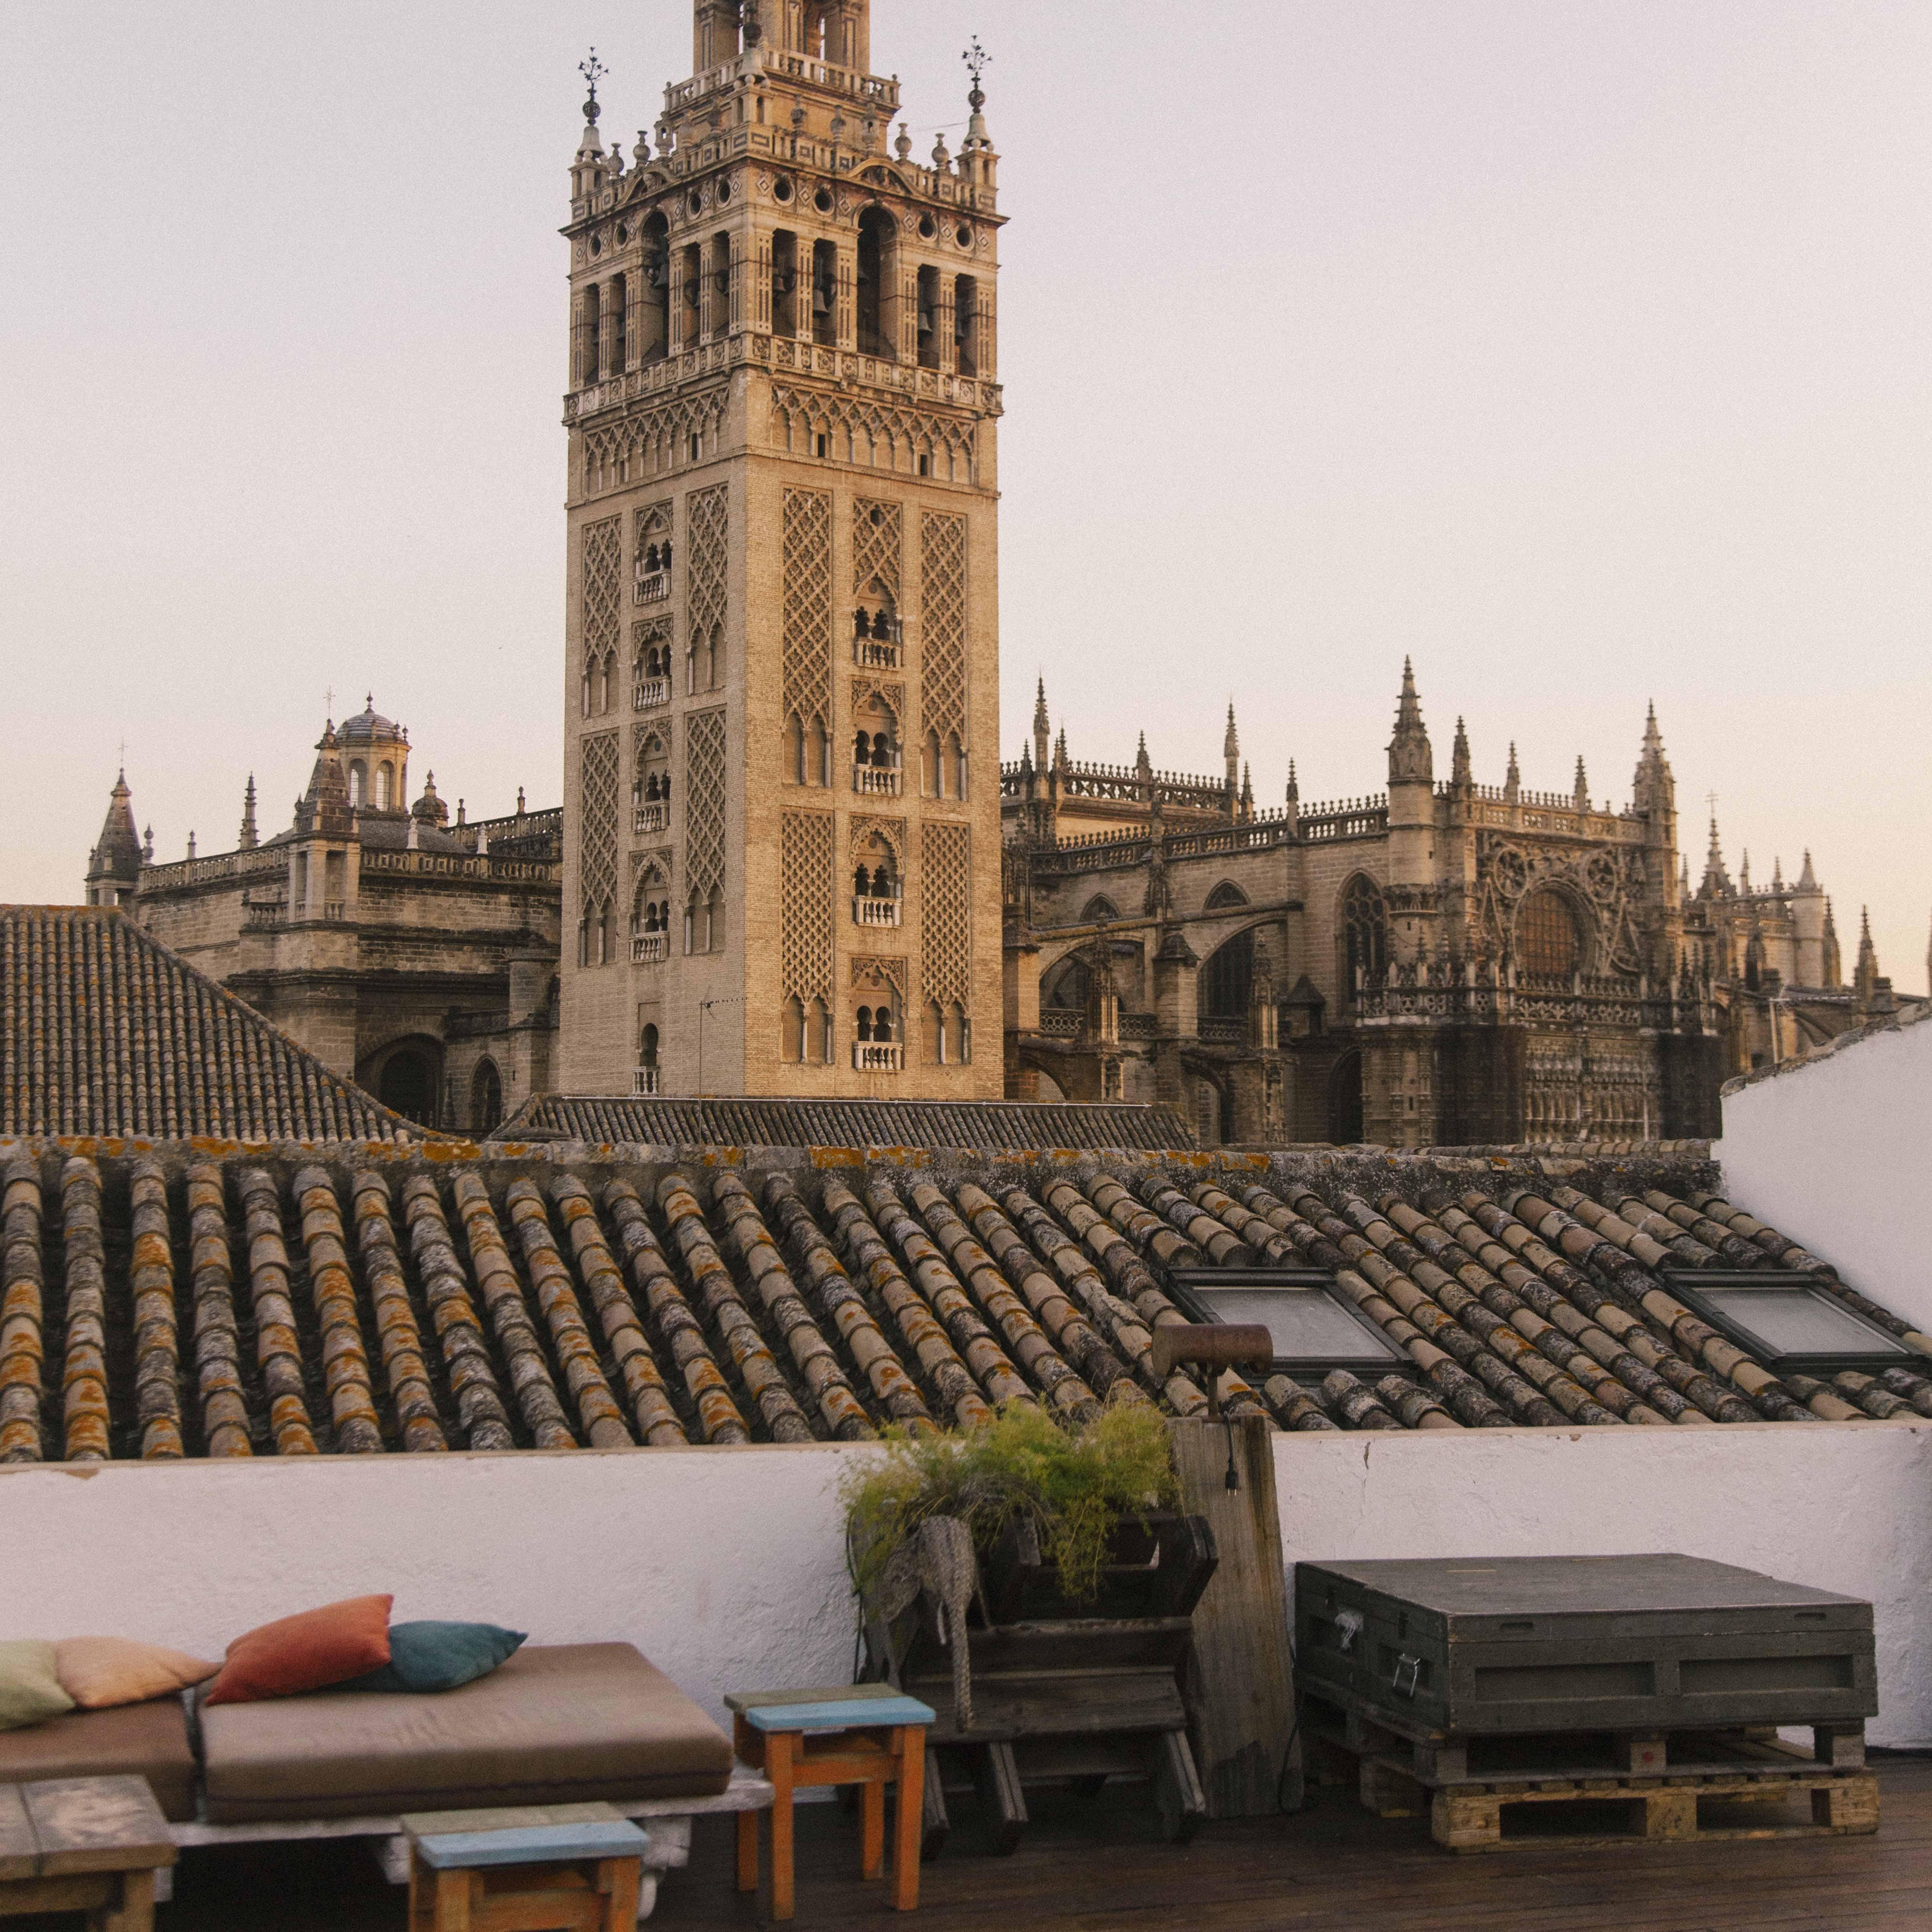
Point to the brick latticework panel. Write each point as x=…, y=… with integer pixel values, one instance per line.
x=942, y=623
x=946, y=929
x=603, y=586
x=599, y=870
x=707, y=522
x=805, y=868
x=704, y=799
x=878, y=539
x=808, y=607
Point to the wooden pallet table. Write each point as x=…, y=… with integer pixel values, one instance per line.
x=82, y=1844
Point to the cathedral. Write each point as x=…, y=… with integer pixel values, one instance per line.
x=781, y=808
x=785, y=863
x=412, y=955
x=1441, y=963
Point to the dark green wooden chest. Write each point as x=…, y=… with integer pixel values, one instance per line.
x=1484, y=1646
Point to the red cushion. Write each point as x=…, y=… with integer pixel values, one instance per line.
x=308, y=1652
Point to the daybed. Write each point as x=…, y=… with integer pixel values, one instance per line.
x=554, y=1725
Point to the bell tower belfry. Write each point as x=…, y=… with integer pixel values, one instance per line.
x=781, y=784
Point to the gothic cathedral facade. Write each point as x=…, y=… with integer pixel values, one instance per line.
x=782, y=787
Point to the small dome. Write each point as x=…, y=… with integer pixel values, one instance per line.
x=369, y=724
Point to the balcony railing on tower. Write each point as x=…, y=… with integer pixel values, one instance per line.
x=868, y=910
x=650, y=949
x=644, y=1083
x=652, y=586
x=877, y=1056
x=653, y=817
x=876, y=781
x=651, y=692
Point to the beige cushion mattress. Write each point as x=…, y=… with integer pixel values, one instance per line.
x=565, y=1724
x=147, y=1741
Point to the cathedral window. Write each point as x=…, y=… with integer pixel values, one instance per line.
x=825, y=292
x=1227, y=980
x=1548, y=944
x=386, y=781
x=358, y=783
x=966, y=325
x=1364, y=935
x=928, y=320
x=1067, y=992
x=1098, y=910
x=1224, y=895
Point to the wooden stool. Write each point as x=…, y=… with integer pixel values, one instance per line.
x=866, y=1735
x=546, y=1868
x=82, y=1844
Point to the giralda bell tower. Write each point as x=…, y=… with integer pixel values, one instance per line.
x=782, y=784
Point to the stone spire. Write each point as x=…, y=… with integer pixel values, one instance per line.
x=1581, y=798
x=1293, y=798
x=248, y=840
x=1230, y=750
x=1834, y=974
x=1744, y=872
x=1247, y=792
x=1512, y=779
x=1807, y=881
x=1042, y=730
x=1411, y=761
x=1776, y=874
x=1716, y=883
x=1866, y=980
x=1061, y=762
x=1654, y=790
x=1459, y=758
x=114, y=866
x=325, y=807
x=1143, y=764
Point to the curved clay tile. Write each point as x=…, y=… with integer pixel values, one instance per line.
x=84, y=1368
x=757, y=1366
x=459, y=1330
x=643, y=1383
x=935, y=1274
x=1223, y=1247
x=217, y=1345
x=813, y=1356
x=151, y=1280
x=868, y=1256
x=603, y=1421
x=403, y=1367
x=277, y=1346
x=1102, y=1372
x=1127, y=1332
x=345, y=1358
x=516, y=1335
x=839, y=1306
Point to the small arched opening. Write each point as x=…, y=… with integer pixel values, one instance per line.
x=409, y=1080
x=1345, y=1100
x=486, y=1098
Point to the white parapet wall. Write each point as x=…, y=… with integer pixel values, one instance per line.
x=1841, y=1506
x=1835, y=1152
x=726, y=1566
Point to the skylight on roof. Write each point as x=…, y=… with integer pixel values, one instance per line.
x=1313, y=1327
x=1787, y=1320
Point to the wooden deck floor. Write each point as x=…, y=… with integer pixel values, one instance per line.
x=1084, y=1868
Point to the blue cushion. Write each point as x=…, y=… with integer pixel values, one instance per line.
x=438, y=1656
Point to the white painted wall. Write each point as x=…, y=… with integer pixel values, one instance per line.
x=724, y=1566
x=1837, y=1153
x=1841, y=1506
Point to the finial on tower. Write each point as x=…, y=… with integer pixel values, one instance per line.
x=1459, y=758
x=1582, y=795
x=1513, y=780
x=977, y=59
x=593, y=71
x=1410, y=759
x=1807, y=881
x=248, y=840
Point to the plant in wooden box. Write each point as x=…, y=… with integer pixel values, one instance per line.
x=1085, y=1575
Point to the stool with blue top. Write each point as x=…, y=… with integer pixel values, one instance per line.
x=862, y=1734
x=534, y=1868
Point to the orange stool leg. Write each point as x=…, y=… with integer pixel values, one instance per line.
x=778, y=1749
x=909, y=1748
x=872, y=1825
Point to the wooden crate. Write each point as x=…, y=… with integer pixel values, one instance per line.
x=1448, y=1650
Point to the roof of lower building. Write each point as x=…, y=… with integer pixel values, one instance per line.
x=1909, y=1012
x=184, y=1300
x=104, y=1031
x=989, y=1127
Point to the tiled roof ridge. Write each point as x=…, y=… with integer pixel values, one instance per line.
x=101, y=1021
x=1911, y=1011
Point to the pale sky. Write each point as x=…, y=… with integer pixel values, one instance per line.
x=1576, y=348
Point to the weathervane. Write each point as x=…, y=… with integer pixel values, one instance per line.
x=975, y=57
x=593, y=71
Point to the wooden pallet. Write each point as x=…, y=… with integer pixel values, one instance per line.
x=1466, y=1814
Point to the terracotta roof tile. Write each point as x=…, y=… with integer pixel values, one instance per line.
x=343, y=1300
x=105, y=1032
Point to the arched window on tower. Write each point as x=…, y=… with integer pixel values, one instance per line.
x=1227, y=980
x=617, y=303
x=793, y=1044
x=966, y=325
x=1226, y=896
x=1364, y=935
x=929, y=323
x=878, y=283
x=785, y=283
x=590, y=328
x=825, y=292
x=1548, y=945
x=654, y=298
x=358, y=783
x=385, y=786
x=486, y=1098
x=1098, y=910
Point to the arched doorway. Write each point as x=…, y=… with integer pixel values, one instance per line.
x=408, y=1082
x=486, y=1098
x=1345, y=1101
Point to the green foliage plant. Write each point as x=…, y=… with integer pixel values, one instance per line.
x=1075, y=1486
